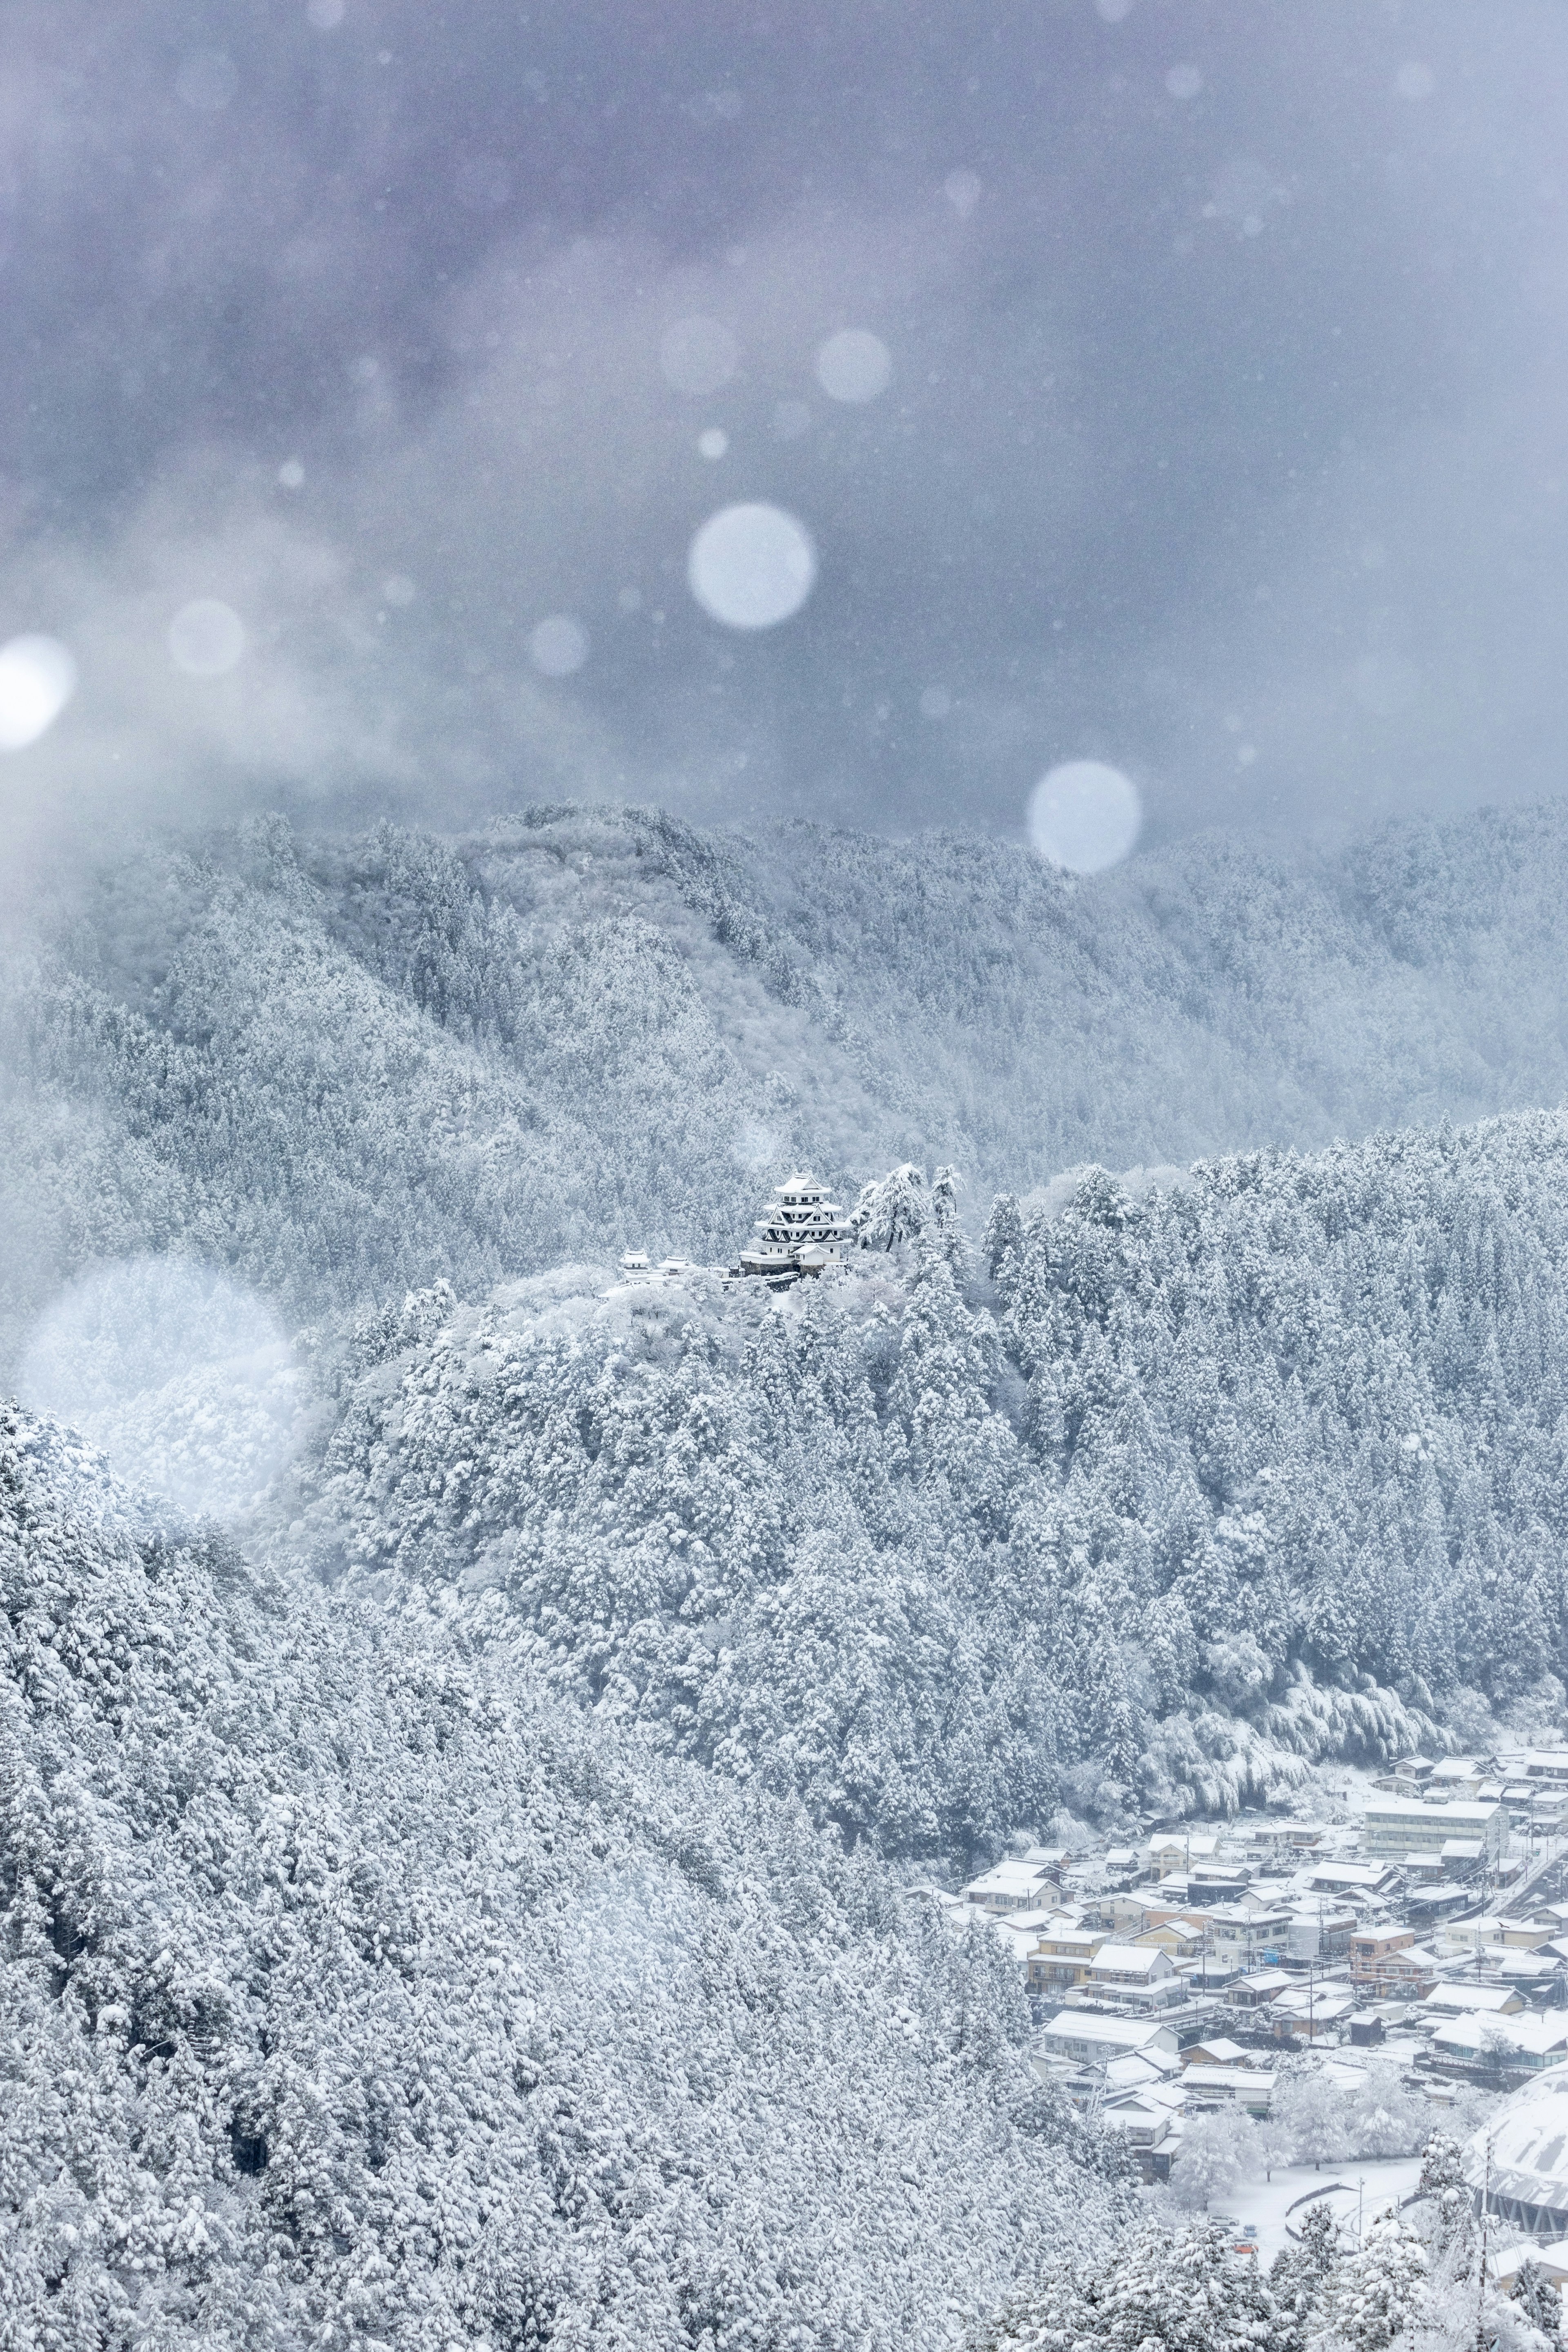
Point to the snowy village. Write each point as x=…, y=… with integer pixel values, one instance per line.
x=1275, y=2010
x=784, y=1176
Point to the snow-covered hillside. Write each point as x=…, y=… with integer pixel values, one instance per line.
x=345, y=1068
x=355, y=1991
x=1155, y=1500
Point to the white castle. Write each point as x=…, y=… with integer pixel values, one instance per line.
x=801, y=1232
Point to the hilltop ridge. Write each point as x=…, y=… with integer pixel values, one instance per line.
x=346, y=1067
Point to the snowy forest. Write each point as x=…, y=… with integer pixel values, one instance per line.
x=784, y=1176
x=361, y=1991
x=1145, y=1497
x=454, y=1881
x=345, y=1067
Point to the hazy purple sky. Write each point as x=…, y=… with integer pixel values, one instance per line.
x=1226, y=437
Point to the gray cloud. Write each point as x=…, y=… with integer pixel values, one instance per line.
x=1223, y=438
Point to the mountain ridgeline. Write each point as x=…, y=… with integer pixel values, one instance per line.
x=458, y=1910
x=1164, y=1495
x=346, y=1069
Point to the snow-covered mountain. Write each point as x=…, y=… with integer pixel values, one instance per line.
x=460, y=1909
x=347, y=1068
x=1160, y=1497
x=354, y=1990
x=1180, y=1482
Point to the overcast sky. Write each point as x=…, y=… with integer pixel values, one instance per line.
x=1225, y=438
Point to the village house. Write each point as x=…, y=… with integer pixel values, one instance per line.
x=1320, y=1933
x=1476, y=1934
x=1127, y=1967
x=1144, y=2118
x=1350, y=1879
x=1453, y=1774
x=1179, y=1938
x=1259, y=1989
x=1387, y=1963
x=1311, y=2012
x=1465, y=1998
x=1060, y=1957
x=1009, y=1886
x=1249, y=2087
x=1396, y=1829
x=1177, y=1850
x=1085, y=2038
x=1216, y=2051
x=1239, y=1936
x=1490, y=2046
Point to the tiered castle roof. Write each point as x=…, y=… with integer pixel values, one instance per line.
x=800, y=1232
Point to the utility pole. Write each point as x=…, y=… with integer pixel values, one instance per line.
x=1486, y=2241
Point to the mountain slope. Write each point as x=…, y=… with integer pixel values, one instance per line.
x=1265, y=1463
x=346, y=1069
x=355, y=1991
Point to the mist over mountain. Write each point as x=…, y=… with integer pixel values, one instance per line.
x=553, y=558
x=342, y=1067
x=418, y=1095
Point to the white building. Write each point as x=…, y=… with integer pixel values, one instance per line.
x=1134, y=1965
x=1396, y=1828
x=1518, y=2161
x=1086, y=2039
x=1462, y=1997
x=801, y=1232
x=1010, y=1885
x=1229, y=2087
x=1514, y=2046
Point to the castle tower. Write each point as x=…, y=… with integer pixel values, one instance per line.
x=801, y=1231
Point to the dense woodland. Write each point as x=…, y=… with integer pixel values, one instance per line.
x=452, y=1907
x=1150, y=1501
x=349, y=1068
x=357, y=1992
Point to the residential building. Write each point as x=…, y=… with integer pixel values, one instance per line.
x=1463, y=1997
x=1061, y=1957
x=1142, y=2116
x=1229, y=2087
x=1397, y=1827
x=1309, y=2012
x=1216, y=2051
x=1243, y=1936
x=1490, y=2045
x=1388, y=1963
x=1451, y=1773
x=1178, y=1938
x=1134, y=1966
x=1551, y=2261
x=1347, y=1879
x=1085, y=2038
x=1474, y=1935
x=1177, y=1850
x=1320, y=1933
x=1010, y=1887
x=1257, y=1989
